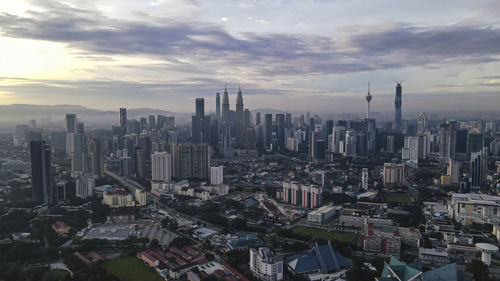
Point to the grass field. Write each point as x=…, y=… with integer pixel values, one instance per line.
x=325, y=234
x=131, y=269
x=398, y=197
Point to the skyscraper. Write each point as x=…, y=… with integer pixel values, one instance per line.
x=71, y=123
x=447, y=141
x=217, y=106
x=123, y=121
x=96, y=158
x=225, y=105
x=397, y=106
x=257, y=118
x=200, y=107
x=478, y=168
x=268, y=129
x=41, y=180
x=280, y=131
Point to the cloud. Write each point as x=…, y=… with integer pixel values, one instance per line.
x=207, y=46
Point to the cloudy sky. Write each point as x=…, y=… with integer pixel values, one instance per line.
x=295, y=55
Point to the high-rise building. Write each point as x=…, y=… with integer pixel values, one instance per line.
x=413, y=150
x=161, y=167
x=71, y=123
x=397, y=107
x=447, y=141
x=474, y=142
x=370, y=130
x=152, y=122
x=422, y=123
x=96, y=156
x=85, y=185
x=306, y=196
x=280, y=131
x=351, y=139
x=338, y=135
x=265, y=265
x=453, y=171
x=364, y=178
x=225, y=105
x=41, y=178
x=217, y=175
x=190, y=160
x=257, y=118
x=123, y=121
x=268, y=129
x=478, y=168
x=80, y=128
x=394, y=174
x=217, y=106
x=200, y=107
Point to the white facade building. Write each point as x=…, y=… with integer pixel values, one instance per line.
x=217, y=175
x=161, y=167
x=265, y=266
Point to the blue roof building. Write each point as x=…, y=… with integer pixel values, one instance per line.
x=322, y=259
x=243, y=241
x=396, y=270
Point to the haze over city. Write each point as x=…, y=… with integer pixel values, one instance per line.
x=289, y=55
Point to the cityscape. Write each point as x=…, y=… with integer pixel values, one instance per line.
x=337, y=170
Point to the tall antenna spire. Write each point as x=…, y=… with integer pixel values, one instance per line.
x=368, y=100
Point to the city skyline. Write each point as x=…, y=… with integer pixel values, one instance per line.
x=163, y=54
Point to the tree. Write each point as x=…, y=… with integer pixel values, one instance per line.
x=154, y=243
x=209, y=256
x=478, y=269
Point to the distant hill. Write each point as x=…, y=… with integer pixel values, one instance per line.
x=52, y=116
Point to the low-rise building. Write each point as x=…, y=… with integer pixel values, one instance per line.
x=118, y=198
x=433, y=257
x=60, y=228
x=321, y=215
x=475, y=208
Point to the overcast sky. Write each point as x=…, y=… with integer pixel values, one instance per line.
x=296, y=55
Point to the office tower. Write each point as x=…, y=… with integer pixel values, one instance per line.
x=200, y=107
x=41, y=178
x=200, y=124
x=161, y=167
x=80, y=128
x=422, y=123
x=133, y=127
x=394, y=174
x=364, y=178
x=288, y=120
x=123, y=121
x=371, y=134
x=60, y=191
x=268, y=129
x=474, y=142
x=491, y=128
x=139, y=163
x=217, y=175
x=32, y=124
x=360, y=144
x=160, y=122
x=85, y=185
x=217, y=106
x=338, y=135
x=312, y=124
x=225, y=105
x=151, y=122
x=478, y=168
x=251, y=138
x=312, y=146
x=96, y=156
x=328, y=127
x=247, y=118
x=257, y=118
x=453, y=170
x=126, y=165
x=397, y=107
x=190, y=160
x=368, y=99
x=389, y=146
x=447, y=141
x=280, y=131
x=144, y=124
x=79, y=161
x=351, y=139
x=71, y=123
x=319, y=149
x=461, y=141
